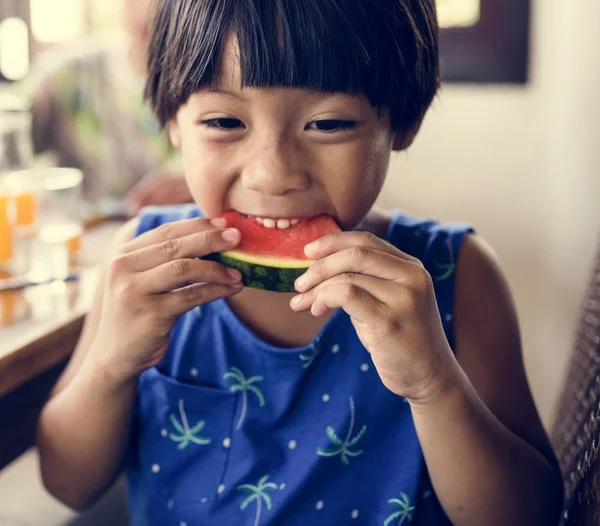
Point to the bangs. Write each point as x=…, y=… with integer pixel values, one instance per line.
x=371, y=47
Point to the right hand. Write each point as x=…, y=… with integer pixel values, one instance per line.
x=152, y=280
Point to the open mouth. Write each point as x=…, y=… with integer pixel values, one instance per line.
x=271, y=222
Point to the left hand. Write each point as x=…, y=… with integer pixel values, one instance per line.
x=390, y=298
x=159, y=189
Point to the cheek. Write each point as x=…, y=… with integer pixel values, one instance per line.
x=206, y=174
x=357, y=178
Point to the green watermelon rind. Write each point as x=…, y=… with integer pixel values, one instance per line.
x=263, y=276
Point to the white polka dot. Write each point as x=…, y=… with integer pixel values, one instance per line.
x=292, y=444
x=183, y=523
x=221, y=488
x=170, y=504
x=204, y=500
x=155, y=468
x=364, y=367
x=426, y=494
x=325, y=398
x=335, y=349
x=448, y=317
x=194, y=372
x=320, y=505
x=163, y=432
x=282, y=487
x=227, y=442
x=355, y=514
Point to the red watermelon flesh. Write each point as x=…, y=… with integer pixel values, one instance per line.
x=260, y=241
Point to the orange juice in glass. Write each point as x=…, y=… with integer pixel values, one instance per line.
x=6, y=233
x=26, y=208
x=23, y=196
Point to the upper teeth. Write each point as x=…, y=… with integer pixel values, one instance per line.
x=276, y=223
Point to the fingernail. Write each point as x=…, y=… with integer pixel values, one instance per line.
x=296, y=300
x=231, y=235
x=235, y=274
x=301, y=282
x=311, y=247
x=218, y=222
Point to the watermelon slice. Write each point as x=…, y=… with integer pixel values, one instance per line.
x=272, y=258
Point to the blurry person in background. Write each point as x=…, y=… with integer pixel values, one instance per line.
x=88, y=108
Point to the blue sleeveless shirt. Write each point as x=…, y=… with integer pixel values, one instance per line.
x=230, y=430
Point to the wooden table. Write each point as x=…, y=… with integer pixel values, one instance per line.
x=39, y=328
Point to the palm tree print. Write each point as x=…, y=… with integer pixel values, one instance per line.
x=244, y=385
x=405, y=510
x=187, y=435
x=258, y=493
x=446, y=269
x=343, y=447
x=309, y=358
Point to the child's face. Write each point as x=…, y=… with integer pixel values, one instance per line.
x=282, y=153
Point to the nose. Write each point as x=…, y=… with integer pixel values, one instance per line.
x=275, y=167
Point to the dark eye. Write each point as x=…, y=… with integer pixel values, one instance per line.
x=331, y=125
x=224, y=124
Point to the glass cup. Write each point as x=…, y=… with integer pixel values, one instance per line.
x=6, y=234
x=47, y=205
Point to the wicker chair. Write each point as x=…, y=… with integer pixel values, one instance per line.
x=576, y=436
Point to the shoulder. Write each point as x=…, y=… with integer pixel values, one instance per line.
x=483, y=305
x=152, y=217
x=486, y=328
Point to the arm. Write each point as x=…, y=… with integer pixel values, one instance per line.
x=84, y=428
x=149, y=281
x=484, y=445
x=483, y=424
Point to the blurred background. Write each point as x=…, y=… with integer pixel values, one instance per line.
x=510, y=144
x=522, y=163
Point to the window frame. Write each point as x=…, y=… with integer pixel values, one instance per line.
x=495, y=50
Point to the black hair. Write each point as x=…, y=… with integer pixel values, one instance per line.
x=384, y=49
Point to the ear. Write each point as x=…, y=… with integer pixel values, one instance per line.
x=403, y=140
x=174, y=132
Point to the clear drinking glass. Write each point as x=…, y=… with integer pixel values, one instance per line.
x=48, y=204
x=16, y=153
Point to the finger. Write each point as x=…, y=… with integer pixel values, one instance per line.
x=340, y=240
x=195, y=245
x=356, y=259
x=356, y=301
x=183, y=300
x=172, y=230
x=181, y=273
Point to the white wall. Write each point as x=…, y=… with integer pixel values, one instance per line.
x=521, y=164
